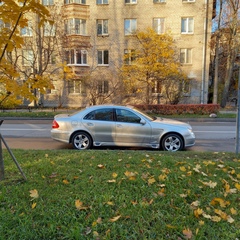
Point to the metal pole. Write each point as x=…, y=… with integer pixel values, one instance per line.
x=238, y=113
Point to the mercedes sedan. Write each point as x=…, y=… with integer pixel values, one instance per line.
x=110, y=125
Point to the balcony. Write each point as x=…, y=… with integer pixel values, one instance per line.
x=75, y=10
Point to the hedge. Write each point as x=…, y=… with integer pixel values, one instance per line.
x=167, y=109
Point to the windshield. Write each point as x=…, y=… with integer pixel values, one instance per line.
x=150, y=118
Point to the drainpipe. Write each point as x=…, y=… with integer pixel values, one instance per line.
x=204, y=54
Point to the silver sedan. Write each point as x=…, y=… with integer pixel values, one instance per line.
x=110, y=125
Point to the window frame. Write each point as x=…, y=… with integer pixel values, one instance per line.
x=102, y=25
x=129, y=56
x=103, y=87
x=188, y=53
x=74, y=1
x=188, y=1
x=159, y=27
x=47, y=2
x=75, y=26
x=187, y=28
x=101, y=2
x=159, y=1
x=132, y=28
x=28, y=30
x=27, y=58
x=130, y=1
x=104, y=58
x=73, y=56
x=77, y=85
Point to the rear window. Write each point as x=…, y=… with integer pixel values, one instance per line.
x=100, y=114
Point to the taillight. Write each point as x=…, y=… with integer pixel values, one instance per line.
x=55, y=124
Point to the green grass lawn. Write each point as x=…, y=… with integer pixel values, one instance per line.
x=120, y=194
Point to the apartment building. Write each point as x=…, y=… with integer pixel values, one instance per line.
x=94, y=35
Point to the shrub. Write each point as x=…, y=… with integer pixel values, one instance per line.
x=167, y=109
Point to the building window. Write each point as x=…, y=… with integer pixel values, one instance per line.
x=102, y=1
x=28, y=57
x=49, y=57
x=47, y=2
x=187, y=25
x=159, y=1
x=102, y=27
x=75, y=26
x=75, y=1
x=76, y=86
x=49, y=30
x=103, y=87
x=74, y=56
x=131, y=1
x=103, y=57
x=130, y=26
x=4, y=25
x=157, y=88
x=186, y=55
x=27, y=31
x=158, y=25
x=188, y=0
x=129, y=56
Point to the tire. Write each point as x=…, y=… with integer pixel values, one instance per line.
x=81, y=141
x=172, y=142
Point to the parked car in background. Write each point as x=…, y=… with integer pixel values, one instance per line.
x=111, y=125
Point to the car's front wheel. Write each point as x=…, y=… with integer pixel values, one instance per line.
x=172, y=142
x=81, y=141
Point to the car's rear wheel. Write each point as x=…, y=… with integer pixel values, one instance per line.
x=81, y=141
x=172, y=142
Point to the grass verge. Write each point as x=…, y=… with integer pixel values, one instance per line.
x=120, y=194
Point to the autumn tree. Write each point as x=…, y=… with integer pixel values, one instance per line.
x=14, y=17
x=226, y=48
x=153, y=64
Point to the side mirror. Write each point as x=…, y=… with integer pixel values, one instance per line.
x=143, y=122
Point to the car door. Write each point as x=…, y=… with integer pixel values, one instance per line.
x=130, y=130
x=100, y=125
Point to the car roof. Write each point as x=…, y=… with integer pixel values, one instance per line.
x=108, y=106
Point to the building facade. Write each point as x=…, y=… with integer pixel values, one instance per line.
x=92, y=36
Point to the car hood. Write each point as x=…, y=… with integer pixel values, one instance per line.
x=171, y=122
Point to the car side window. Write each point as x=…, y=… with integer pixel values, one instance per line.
x=105, y=114
x=127, y=116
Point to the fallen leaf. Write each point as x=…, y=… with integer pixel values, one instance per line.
x=130, y=175
x=65, y=181
x=230, y=219
x=151, y=180
x=100, y=166
x=34, y=205
x=79, y=205
x=216, y=218
x=34, y=194
x=198, y=212
x=233, y=211
x=237, y=185
x=221, y=202
x=187, y=233
x=111, y=181
x=222, y=214
x=114, y=175
x=195, y=204
x=183, y=169
x=114, y=219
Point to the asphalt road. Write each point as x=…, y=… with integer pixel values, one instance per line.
x=35, y=134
